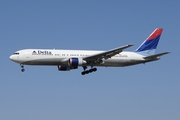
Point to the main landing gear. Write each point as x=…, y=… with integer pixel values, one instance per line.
x=22, y=68
x=88, y=71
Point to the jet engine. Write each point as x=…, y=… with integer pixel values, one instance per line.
x=74, y=62
x=65, y=68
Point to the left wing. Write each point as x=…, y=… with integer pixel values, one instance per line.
x=105, y=55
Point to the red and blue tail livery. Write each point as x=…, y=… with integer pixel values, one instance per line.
x=150, y=44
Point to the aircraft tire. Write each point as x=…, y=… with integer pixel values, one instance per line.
x=94, y=69
x=22, y=70
x=83, y=73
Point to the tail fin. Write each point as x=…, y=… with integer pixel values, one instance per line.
x=148, y=47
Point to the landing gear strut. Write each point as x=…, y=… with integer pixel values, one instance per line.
x=22, y=68
x=88, y=71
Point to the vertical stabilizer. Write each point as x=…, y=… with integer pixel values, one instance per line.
x=150, y=44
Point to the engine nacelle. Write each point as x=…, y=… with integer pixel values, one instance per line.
x=74, y=62
x=65, y=68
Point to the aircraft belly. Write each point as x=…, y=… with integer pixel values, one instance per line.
x=44, y=61
x=116, y=62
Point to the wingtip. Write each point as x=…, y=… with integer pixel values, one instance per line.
x=168, y=52
x=130, y=44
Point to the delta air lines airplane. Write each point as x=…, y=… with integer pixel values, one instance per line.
x=66, y=60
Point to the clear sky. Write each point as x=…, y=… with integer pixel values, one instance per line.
x=141, y=92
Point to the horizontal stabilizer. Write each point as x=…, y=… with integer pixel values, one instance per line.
x=156, y=55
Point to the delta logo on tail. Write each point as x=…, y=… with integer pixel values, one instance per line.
x=150, y=44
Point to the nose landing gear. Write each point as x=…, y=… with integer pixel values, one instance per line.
x=22, y=68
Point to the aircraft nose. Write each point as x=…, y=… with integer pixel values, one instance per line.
x=12, y=57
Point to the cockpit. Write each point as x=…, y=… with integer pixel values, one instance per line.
x=15, y=56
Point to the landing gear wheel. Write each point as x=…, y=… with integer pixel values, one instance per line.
x=88, y=71
x=22, y=70
x=94, y=69
x=83, y=73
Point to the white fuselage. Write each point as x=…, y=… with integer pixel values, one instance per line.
x=57, y=57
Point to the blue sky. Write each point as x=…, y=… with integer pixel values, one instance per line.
x=142, y=92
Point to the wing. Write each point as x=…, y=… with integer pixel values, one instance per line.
x=96, y=58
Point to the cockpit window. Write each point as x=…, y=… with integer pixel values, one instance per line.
x=16, y=53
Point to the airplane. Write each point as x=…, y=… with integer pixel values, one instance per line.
x=67, y=60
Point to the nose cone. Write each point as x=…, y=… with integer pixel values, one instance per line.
x=11, y=57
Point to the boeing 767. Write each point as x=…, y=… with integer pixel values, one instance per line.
x=66, y=60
